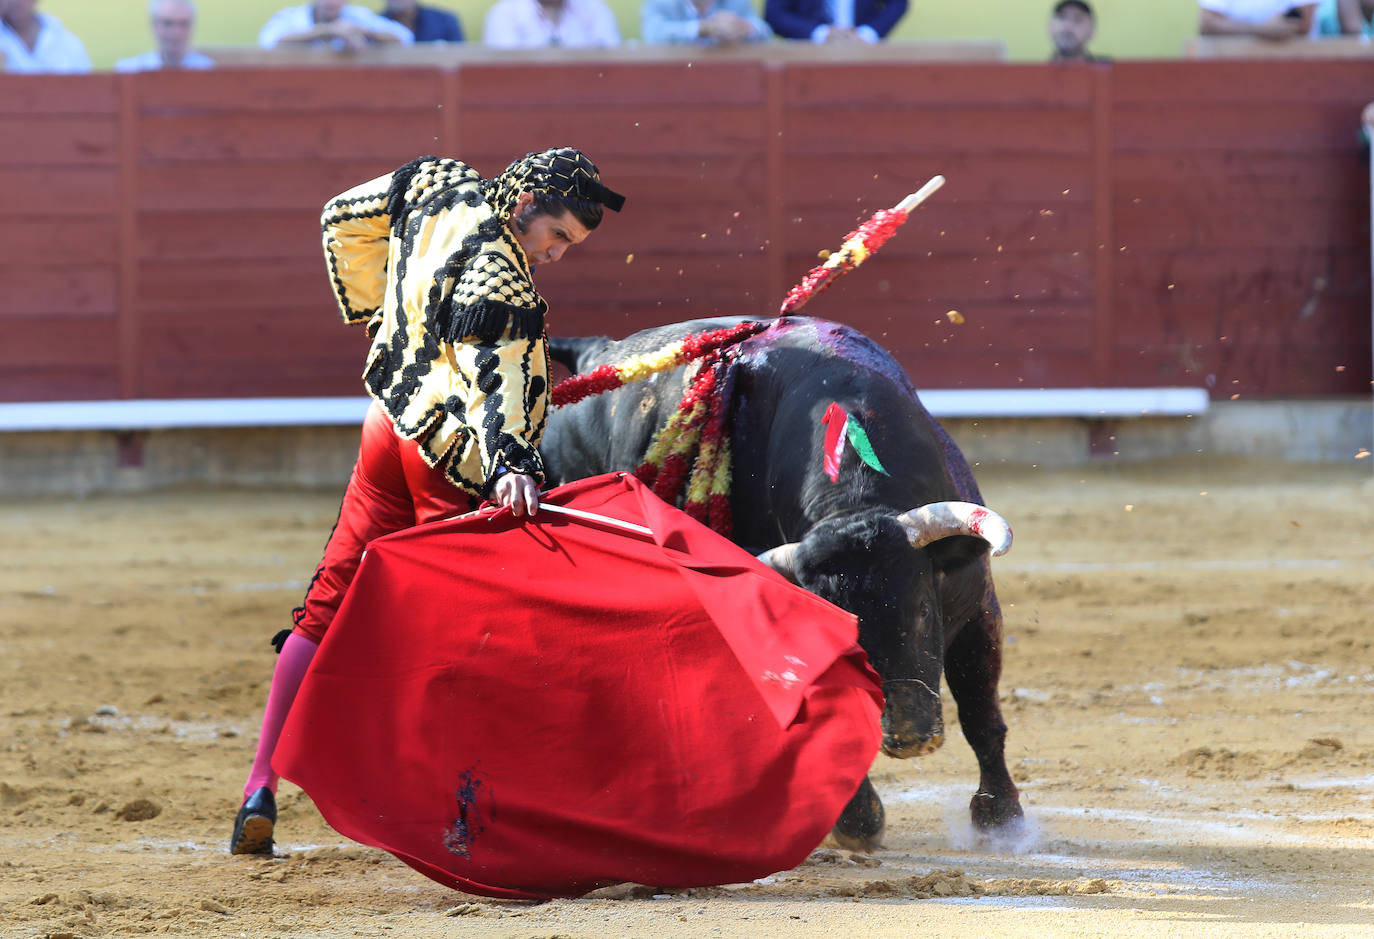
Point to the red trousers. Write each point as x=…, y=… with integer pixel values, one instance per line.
x=391, y=488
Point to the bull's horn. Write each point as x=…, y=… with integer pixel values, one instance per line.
x=782, y=559
x=942, y=519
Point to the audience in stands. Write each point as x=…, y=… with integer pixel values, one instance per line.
x=532, y=24
x=1265, y=19
x=708, y=22
x=173, y=23
x=426, y=24
x=344, y=26
x=1344, y=18
x=834, y=20
x=1072, y=27
x=36, y=42
x=31, y=41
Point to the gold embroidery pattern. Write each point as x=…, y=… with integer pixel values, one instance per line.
x=458, y=358
x=494, y=278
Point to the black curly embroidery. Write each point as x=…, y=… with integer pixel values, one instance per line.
x=333, y=216
x=507, y=450
x=396, y=192
x=400, y=363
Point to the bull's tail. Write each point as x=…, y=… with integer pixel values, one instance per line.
x=575, y=353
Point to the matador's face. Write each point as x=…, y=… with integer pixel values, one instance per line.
x=542, y=236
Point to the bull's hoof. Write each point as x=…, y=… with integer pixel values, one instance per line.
x=860, y=827
x=996, y=814
x=905, y=750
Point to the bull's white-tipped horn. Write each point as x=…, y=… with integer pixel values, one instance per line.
x=943, y=519
x=782, y=559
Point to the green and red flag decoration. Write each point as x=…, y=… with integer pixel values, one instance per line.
x=842, y=428
x=857, y=246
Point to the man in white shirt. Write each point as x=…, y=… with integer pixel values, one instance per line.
x=36, y=42
x=1265, y=19
x=173, y=23
x=533, y=24
x=344, y=26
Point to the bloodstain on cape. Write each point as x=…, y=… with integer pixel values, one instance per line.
x=537, y=708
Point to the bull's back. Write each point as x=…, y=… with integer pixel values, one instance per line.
x=788, y=376
x=611, y=431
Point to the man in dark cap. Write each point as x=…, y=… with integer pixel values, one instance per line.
x=436, y=261
x=1072, y=27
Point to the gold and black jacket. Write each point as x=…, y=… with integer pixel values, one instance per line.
x=458, y=358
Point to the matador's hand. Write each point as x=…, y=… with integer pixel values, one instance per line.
x=518, y=491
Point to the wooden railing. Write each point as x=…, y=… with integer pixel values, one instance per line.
x=1197, y=224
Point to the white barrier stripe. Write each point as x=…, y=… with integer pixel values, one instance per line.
x=167, y=413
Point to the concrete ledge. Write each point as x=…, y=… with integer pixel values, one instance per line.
x=1329, y=430
x=77, y=463
x=80, y=463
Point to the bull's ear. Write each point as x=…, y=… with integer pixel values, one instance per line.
x=950, y=554
x=782, y=559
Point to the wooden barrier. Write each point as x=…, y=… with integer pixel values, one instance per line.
x=1140, y=225
x=1249, y=47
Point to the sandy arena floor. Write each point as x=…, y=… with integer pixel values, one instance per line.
x=1189, y=683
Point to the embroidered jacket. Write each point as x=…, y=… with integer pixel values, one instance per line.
x=458, y=357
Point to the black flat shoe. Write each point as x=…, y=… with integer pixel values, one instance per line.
x=253, y=826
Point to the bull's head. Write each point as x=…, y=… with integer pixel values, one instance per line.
x=884, y=569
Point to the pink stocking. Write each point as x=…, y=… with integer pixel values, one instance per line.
x=295, y=658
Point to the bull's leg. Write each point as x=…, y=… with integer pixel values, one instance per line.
x=973, y=665
x=860, y=827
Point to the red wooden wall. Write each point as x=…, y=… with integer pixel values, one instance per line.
x=1180, y=223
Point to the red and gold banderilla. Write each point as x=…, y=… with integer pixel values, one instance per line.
x=858, y=245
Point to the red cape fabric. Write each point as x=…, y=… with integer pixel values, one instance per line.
x=536, y=708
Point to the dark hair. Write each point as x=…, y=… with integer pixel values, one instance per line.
x=1081, y=4
x=547, y=203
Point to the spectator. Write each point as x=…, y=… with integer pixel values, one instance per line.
x=1072, y=27
x=1265, y=19
x=427, y=24
x=531, y=24
x=173, y=22
x=710, y=22
x=834, y=20
x=331, y=22
x=36, y=42
x=1344, y=18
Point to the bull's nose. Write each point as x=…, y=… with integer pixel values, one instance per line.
x=913, y=724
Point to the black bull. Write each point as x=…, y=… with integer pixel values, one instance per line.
x=918, y=608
